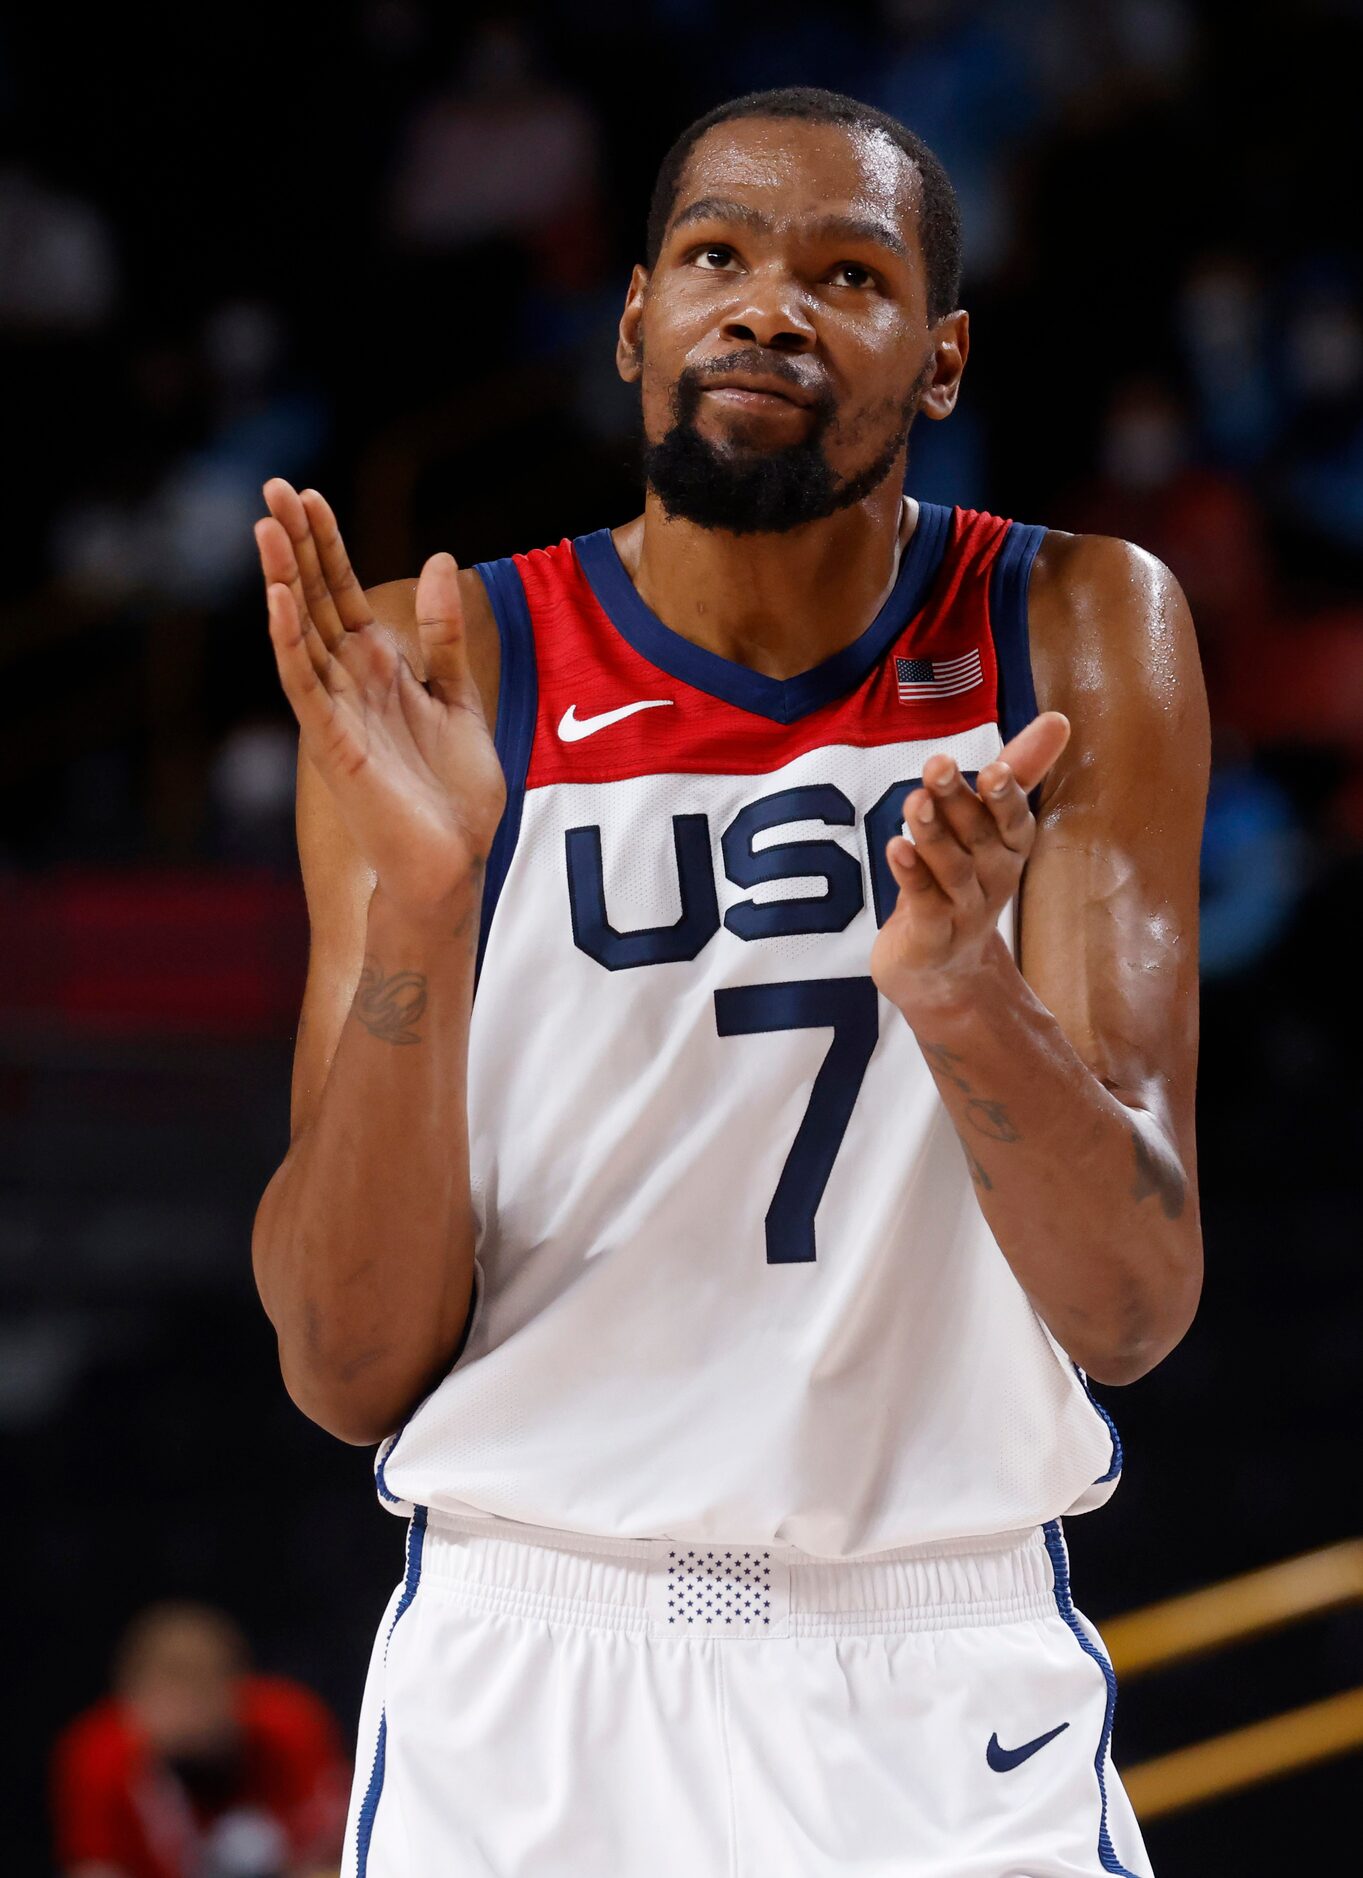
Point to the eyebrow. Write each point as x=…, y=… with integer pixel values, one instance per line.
x=863, y=228
x=846, y=227
x=721, y=209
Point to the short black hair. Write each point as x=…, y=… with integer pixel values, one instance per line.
x=939, y=219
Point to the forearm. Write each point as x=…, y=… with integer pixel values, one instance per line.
x=1086, y=1194
x=363, y=1243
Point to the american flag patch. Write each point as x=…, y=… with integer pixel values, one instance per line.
x=918, y=680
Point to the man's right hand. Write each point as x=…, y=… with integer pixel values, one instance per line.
x=410, y=764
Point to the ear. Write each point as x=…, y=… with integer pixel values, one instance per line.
x=950, y=351
x=629, y=347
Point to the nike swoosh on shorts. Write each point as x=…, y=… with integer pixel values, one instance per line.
x=571, y=727
x=1003, y=1760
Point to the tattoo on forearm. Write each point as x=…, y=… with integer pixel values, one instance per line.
x=942, y=1061
x=977, y=1173
x=1155, y=1177
x=390, y=1006
x=992, y=1119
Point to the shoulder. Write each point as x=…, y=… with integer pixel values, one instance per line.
x=1094, y=596
x=1113, y=647
x=394, y=607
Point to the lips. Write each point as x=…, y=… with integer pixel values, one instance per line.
x=761, y=388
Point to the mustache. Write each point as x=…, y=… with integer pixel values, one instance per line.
x=811, y=385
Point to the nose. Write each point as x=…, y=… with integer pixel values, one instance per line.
x=770, y=315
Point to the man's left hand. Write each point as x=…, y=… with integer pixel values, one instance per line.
x=961, y=868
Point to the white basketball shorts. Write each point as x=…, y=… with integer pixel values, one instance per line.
x=541, y=1705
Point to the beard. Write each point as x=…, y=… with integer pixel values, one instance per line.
x=748, y=491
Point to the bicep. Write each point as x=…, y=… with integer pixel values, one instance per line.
x=1110, y=895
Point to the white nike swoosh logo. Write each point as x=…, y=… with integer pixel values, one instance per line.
x=571, y=727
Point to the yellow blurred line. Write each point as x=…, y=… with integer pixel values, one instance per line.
x=1240, y=1607
x=1247, y=1756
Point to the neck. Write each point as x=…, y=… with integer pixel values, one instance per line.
x=778, y=604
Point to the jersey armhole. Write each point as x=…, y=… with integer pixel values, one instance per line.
x=514, y=735
x=1008, y=581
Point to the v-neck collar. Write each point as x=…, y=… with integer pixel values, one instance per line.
x=784, y=700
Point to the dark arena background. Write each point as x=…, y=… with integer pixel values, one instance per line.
x=381, y=248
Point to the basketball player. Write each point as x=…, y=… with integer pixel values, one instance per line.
x=713, y=1196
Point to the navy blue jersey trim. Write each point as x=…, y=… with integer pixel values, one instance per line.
x=391, y=1448
x=517, y=704
x=514, y=736
x=783, y=700
x=379, y=1481
x=1008, y=623
x=1116, y=1466
x=369, y=1806
x=1060, y=1567
x=380, y=1475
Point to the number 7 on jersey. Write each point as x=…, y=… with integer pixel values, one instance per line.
x=850, y=1008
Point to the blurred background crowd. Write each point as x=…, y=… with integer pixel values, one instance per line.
x=381, y=246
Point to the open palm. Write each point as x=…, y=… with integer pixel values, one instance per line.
x=409, y=762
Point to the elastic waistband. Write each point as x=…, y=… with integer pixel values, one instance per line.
x=666, y=1587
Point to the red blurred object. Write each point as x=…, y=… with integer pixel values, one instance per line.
x=115, y=1806
x=1301, y=682
x=135, y=950
x=1206, y=527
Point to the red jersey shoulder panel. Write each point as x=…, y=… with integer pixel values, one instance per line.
x=938, y=677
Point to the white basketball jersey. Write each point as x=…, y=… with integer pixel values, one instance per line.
x=732, y=1278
